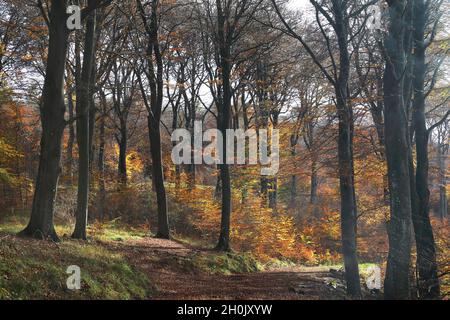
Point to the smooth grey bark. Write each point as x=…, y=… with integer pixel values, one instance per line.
x=71, y=140
x=154, y=108
x=443, y=148
x=225, y=179
x=224, y=118
x=158, y=178
x=52, y=112
x=101, y=160
x=397, y=281
x=428, y=280
x=345, y=156
x=83, y=106
x=123, y=147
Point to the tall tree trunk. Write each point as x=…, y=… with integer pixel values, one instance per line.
x=273, y=194
x=123, y=146
x=218, y=188
x=314, y=183
x=158, y=178
x=175, y=127
x=224, y=124
x=101, y=163
x=83, y=107
x=347, y=194
x=71, y=141
x=376, y=110
x=345, y=156
x=426, y=248
x=225, y=179
x=92, y=121
x=442, y=156
x=397, y=283
x=154, y=108
x=52, y=118
x=293, y=201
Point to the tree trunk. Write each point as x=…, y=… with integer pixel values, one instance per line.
x=397, y=283
x=71, y=141
x=273, y=194
x=92, y=121
x=123, y=146
x=348, y=200
x=101, y=164
x=426, y=248
x=83, y=107
x=175, y=127
x=442, y=156
x=314, y=183
x=225, y=179
x=154, y=108
x=158, y=179
x=293, y=201
x=223, y=125
x=218, y=188
x=53, y=124
x=345, y=156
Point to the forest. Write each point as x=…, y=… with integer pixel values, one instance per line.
x=224, y=149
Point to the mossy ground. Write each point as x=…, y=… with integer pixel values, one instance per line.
x=123, y=262
x=226, y=263
x=33, y=269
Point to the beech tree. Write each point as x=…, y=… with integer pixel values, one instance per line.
x=53, y=121
x=397, y=284
x=426, y=16
x=83, y=106
x=337, y=16
x=227, y=21
x=153, y=69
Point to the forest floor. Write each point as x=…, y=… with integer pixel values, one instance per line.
x=128, y=264
x=169, y=266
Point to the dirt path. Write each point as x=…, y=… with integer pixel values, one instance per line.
x=164, y=262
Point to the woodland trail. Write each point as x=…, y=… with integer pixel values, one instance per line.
x=163, y=262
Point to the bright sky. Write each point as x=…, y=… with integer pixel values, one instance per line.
x=299, y=4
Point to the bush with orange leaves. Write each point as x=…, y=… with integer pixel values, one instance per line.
x=255, y=228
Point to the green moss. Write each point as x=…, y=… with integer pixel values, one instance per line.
x=37, y=270
x=120, y=235
x=226, y=263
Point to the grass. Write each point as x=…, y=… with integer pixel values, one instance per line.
x=111, y=231
x=37, y=270
x=223, y=263
x=31, y=269
x=226, y=263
